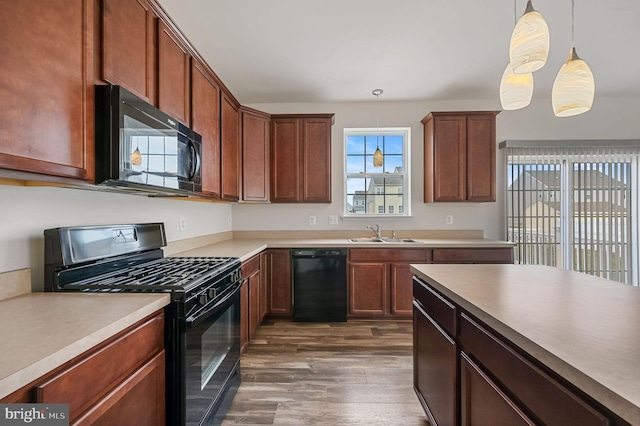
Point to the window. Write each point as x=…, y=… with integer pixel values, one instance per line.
x=575, y=206
x=375, y=190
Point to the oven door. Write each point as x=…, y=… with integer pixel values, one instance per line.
x=212, y=357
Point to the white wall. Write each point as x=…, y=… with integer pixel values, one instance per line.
x=25, y=212
x=609, y=119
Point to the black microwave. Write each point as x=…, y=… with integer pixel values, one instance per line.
x=140, y=148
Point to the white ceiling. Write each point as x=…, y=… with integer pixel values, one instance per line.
x=340, y=50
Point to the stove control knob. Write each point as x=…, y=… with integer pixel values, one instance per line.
x=211, y=293
x=202, y=300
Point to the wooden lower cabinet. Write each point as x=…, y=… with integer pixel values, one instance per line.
x=121, y=381
x=380, y=282
x=279, y=282
x=368, y=289
x=462, y=367
x=435, y=365
x=251, y=299
x=482, y=401
x=244, y=315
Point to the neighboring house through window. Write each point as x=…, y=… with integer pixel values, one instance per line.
x=575, y=205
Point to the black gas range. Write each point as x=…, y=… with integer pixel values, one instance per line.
x=202, y=322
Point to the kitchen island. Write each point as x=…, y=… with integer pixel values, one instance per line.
x=529, y=339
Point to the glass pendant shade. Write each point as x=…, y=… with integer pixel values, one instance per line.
x=529, y=47
x=574, y=87
x=377, y=158
x=136, y=157
x=516, y=90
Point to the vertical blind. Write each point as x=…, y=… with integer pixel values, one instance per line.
x=574, y=205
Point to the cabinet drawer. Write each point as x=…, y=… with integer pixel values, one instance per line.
x=552, y=402
x=482, y=402
x=440, y=309
x=386, y=255
x=87, y=381
x=485, y=255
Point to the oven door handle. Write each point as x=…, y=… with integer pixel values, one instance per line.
x=202, y=315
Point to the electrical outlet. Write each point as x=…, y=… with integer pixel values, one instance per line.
x=229, y=220
x=333, y=219
x=312, y=220
x=183, y=224
x=448, y=219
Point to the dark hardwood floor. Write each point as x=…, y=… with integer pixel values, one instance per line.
x=353, y=373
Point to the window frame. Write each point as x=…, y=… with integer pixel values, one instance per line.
x=405, y=132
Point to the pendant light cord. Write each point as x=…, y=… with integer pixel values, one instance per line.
x=572, y=22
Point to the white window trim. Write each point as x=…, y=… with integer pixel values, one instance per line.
x=406, y=149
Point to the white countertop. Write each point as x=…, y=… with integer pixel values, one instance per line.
x=584, y=328
x=41, y=331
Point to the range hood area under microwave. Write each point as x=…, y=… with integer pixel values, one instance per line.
x=142, y=150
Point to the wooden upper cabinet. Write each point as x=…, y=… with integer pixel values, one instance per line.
x=285, y=166
x=255, y=155
x=230, y=137
x=46, y=87
x=205, y=120
x=301, y=158
x=173, y=74
x=460, y=156
x=316, y=160
x=129, y=46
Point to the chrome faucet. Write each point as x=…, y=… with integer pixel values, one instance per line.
x=375, y=231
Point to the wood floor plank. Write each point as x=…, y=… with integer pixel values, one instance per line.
x=348, y=373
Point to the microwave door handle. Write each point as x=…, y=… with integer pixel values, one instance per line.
x=200, y=316
x=192, y=161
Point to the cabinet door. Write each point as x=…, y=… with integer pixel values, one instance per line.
x=255, y=157
x=368, y=289
x=264, y=282
x=450, y=158
x=401, y=289
x=435, y=358
x=46, y=87
x=481, y=157
x=139, y=400
x=244, y=315
x=482, y=402
x=254, y=303
x=316, y=160
x=285, y=161
x=230, y=126
x=205, y=120
x=128, y=46
x=279, y=270
x=173, y=74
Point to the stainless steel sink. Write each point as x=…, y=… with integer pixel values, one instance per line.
x=365, y=240
x=382, y=240
x=399, y=240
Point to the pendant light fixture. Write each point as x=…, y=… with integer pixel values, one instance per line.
x=377, y=155
x=136, y=157
x=516, y=90
x=574, y=86
x=529, y=47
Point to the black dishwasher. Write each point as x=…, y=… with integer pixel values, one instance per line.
x=319, y=285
